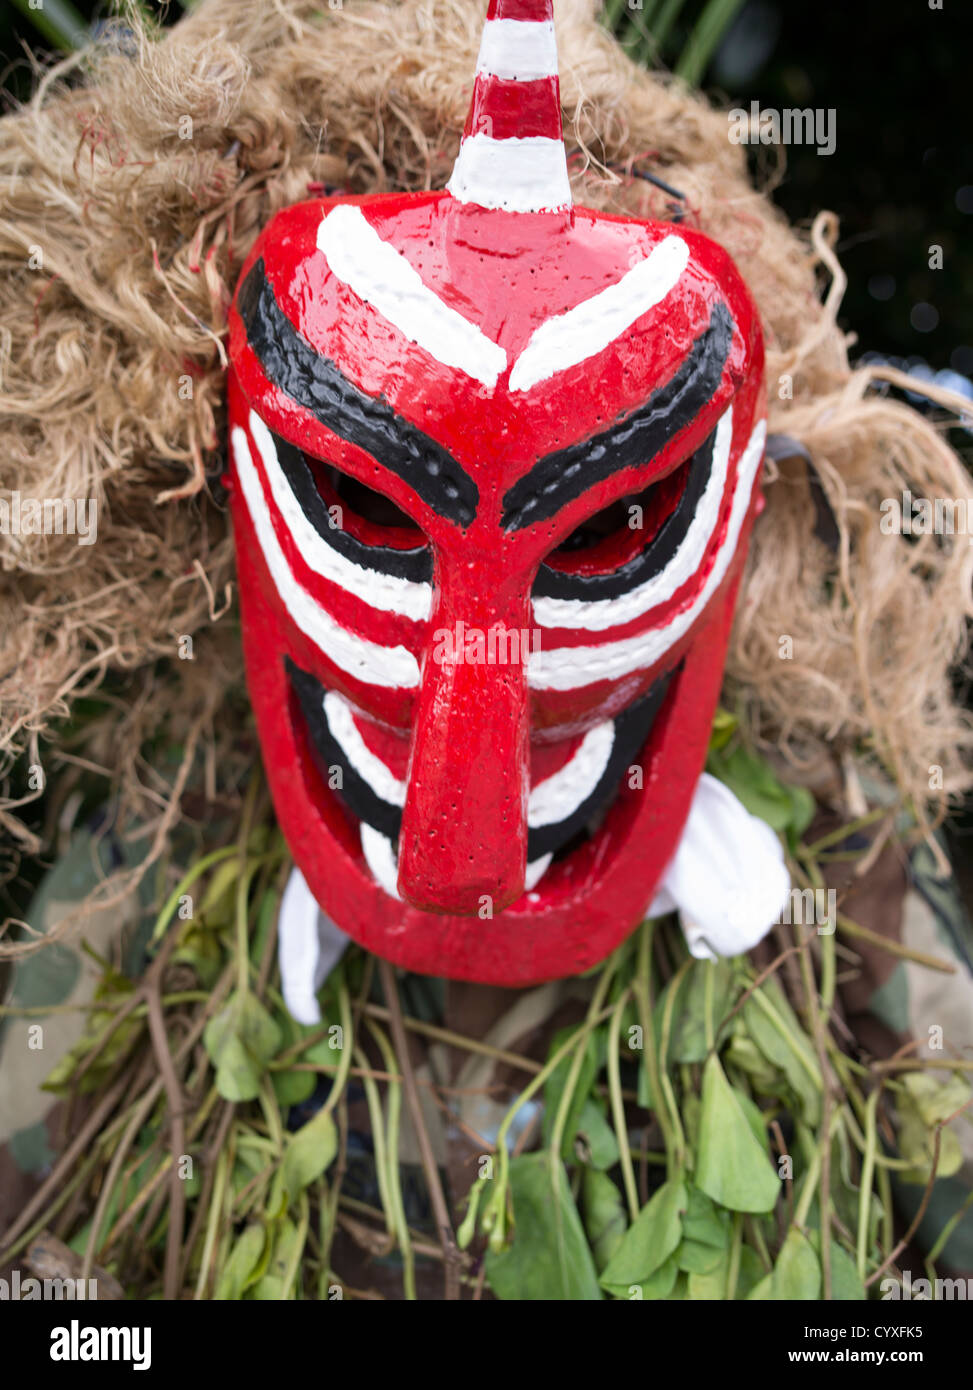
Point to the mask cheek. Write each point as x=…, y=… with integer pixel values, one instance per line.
x=368, y=654
x=642, y=629
x=464, y=831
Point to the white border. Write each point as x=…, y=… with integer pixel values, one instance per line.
x=388, y=592
x=393, y=668
x=588, y=328
x=572, y=668
x=381, y=276
x=597, y=614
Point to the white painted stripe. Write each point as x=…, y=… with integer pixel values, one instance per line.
x=560, y=795
x=390, y=667
x=570, y=668
x=389, y=592
x=370, y=768
x=553, y=799
x=535, y=871
x=517, y=175
x=517, y=50
x=572, y=337
x=598, y=614
x=380, y=858
x=381, y=276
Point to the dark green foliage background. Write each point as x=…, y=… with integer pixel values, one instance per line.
x=896, y=74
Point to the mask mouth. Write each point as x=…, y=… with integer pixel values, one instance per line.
x=564, y=811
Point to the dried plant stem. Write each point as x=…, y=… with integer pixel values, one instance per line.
x=618, y=1105
x=62, y=1168
x=894, y=948
x=394, y=1176
x=451, y=1254
x=445, y=1035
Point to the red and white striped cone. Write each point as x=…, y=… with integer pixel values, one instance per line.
x=512, y=153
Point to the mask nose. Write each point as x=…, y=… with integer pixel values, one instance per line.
x=463, y=842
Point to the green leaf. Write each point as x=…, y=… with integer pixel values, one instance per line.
x=844, y=1177
x=270, y=1287
x=754, y=782
x=745, y=1055
x=651, y=1239
x=662, y=1282
x=554, y=1089
x=248, y=1163
x=774, y=1027
x=705, y=1222
x=755, y=1117
x=688, y=1042
x=936, y=1100
x=706, y=1236
x=704, y=38
x=293, y=1087
x=921, y=1106
x=240, y=1041
x=60, y=1080
x=732, y=1167
x=604, y=1215
x=709, y=1285
x=796, y=1276
x=58, y=21
x=549, y=1258
x=326, y=1052
x=846, y=1287
x=699, y=1259
x=217, y=907
x=598, y=1134
x=266, y=915
x=243, y=1260
x=680, y=1290
x=724, y=727
x=200, y=949
x=750, y=1273
x=666, y=1283
x=309, y=1152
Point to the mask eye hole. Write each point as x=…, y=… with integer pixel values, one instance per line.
x=368, y=515
x=611, y=536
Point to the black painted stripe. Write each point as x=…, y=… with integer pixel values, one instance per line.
x=316, y=383
x=651, y=559
x=632, y=442
x=414, y=564
x=632, y=729
x=356, y=793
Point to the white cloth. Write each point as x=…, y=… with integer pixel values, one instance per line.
x=727, y=879
x=309, y=946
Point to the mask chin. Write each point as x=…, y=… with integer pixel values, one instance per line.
x=566, y=810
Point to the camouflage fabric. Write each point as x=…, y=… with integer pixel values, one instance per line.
x=892, y=1004
x=48, y=993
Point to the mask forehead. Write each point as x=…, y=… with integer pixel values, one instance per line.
x=501, y=360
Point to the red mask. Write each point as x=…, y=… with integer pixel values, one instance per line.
x=495, y=464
